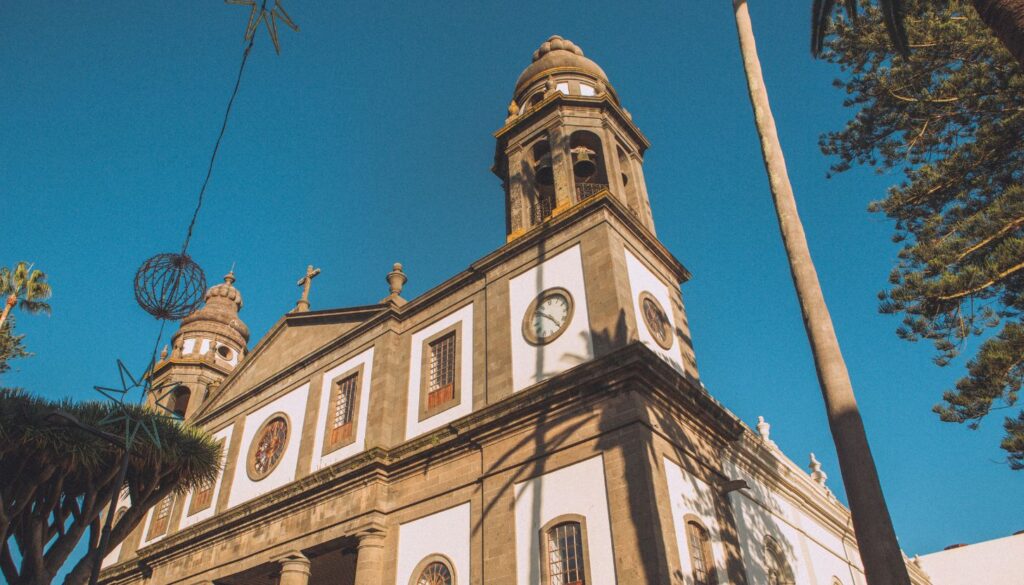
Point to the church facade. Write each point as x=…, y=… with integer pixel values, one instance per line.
x=537, y=419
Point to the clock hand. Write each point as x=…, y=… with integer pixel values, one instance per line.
x=543, y=314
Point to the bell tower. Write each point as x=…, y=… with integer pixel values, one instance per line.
x=209, y=344
x=567, y=139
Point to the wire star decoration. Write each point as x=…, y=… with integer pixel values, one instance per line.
x=259, y=13
x=132, y=422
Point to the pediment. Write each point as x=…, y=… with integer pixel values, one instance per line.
x=290, y=340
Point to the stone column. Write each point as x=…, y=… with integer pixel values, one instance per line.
x=370, y=559
x=294, y=569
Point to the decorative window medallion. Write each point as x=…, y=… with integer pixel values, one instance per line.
x=548, y=316
x=433, y=570
x=441, y=373
x=343, y=410
x=268, y=446
x=658, y=323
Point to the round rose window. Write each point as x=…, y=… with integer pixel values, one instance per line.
x=268, y=447
x=658, y=323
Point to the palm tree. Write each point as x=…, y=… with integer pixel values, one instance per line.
x=1004, y=17
x=25, y=287
x=880, y=553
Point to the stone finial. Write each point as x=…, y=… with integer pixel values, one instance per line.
x=163, y=354
x=513, y=109
x=549, y=86
x=302, y=305
x=817, y=474
x=764, y=429
x=602, y=88
x=396, y=279
x=917, y=561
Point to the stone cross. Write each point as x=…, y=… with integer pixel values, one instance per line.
x=303, y=304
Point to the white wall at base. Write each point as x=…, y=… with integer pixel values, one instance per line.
x=532, y=364
x=690, y=495
x=445, y=533
x=224, y=436
x=815, y=553
x=123, y=501
x=413, y=426
x=642, y=279
x=576, y=489
x=292, y=404
x=320, y=460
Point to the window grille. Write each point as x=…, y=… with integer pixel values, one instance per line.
x=442, y=371
x=436, y=573
x=700, y=555
x=161, y=515
x=565, y=554
x=344, y=409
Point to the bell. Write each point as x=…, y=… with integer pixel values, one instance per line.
x=584, y=166
x=543, y=172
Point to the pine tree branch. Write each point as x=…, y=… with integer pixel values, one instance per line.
x=1002, y=232
x=983, y=286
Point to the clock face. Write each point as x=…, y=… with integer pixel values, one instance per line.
x=547, y=316
x=656, y=320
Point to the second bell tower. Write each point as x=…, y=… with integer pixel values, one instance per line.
x=567, y=139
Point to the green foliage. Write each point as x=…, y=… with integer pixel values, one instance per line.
x=10, y=345
x=28, y=285
x=951, y=119
x=56, y=481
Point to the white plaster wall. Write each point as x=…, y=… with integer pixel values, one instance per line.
x=188, y=345
x=445, y=533
x=691, y=495
x=642, y=279
x=204, y=347
x=123, y=501
x=320, y=461
x=532, y=364
x=815, y=552
x=995, y=561
x=413, y=426
x=187, y=520
x=576, y=489
x=294, y=405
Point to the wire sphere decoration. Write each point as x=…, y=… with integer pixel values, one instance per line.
x=170, y=286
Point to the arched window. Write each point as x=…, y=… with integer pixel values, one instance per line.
x=779, y=571
x=588, y=165
x=701, y=558
x=181, y=396
x=564, y=553
x=433, y=570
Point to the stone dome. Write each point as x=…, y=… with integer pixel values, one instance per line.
x=558, y=53
x=223, y=301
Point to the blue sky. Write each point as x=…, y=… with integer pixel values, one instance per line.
x=368, y=141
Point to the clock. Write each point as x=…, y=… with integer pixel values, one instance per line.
x=548, y=316
x=658, y=323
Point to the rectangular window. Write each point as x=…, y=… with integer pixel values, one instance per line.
x=343, y=410
x=161, y=517
x=202, y=497
x=442, y=371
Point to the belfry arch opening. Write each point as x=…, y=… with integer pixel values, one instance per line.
x=626, y=167
x=179, y=401
x=543, y=181
x=588, y=164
